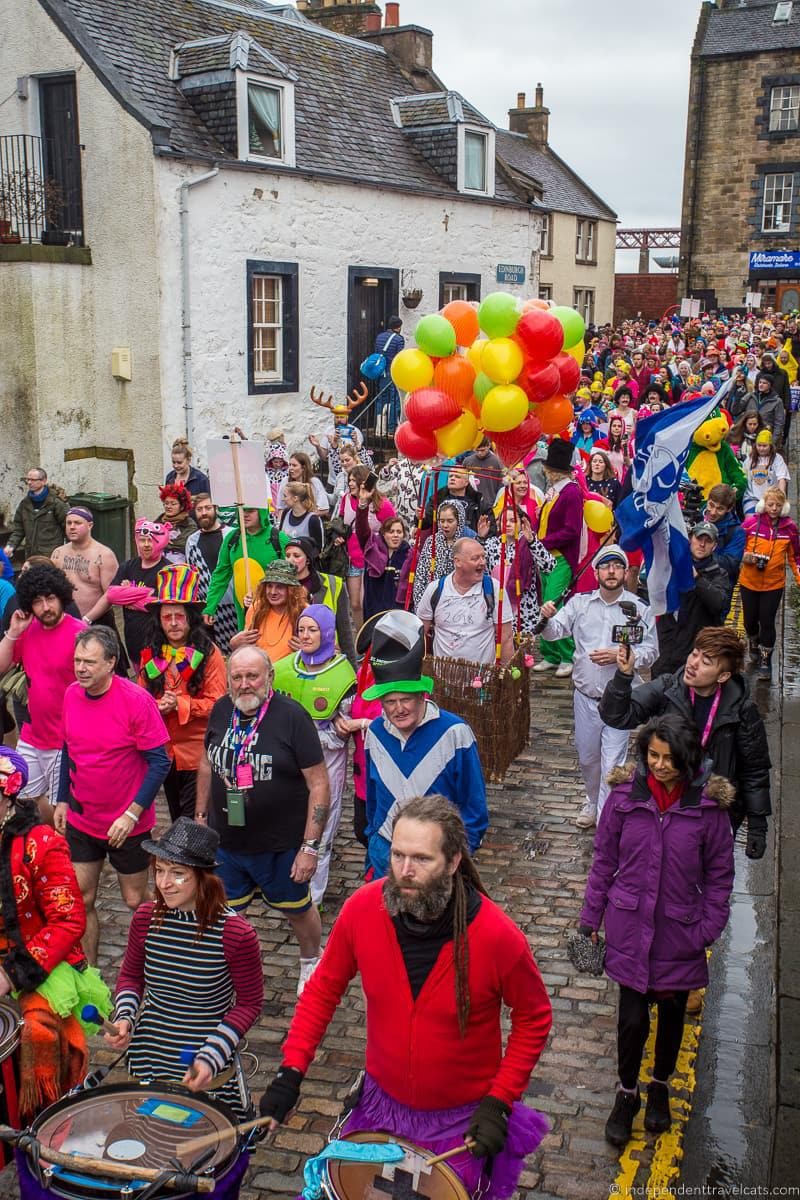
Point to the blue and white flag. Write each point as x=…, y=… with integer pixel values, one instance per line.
x=650, y=517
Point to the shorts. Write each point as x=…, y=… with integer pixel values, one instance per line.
x=127, y=859
x=269, y=873
x=44, y=770
x=353, y=572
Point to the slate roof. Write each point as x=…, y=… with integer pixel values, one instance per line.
x=748, y=30
x=562, y=189
x=437, y=108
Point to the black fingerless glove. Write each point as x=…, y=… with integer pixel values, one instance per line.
x=488, y=1128
x=282, y=1094
x=756, y=843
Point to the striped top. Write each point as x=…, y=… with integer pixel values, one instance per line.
x=194, y=992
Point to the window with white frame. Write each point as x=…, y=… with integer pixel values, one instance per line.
x=457, y=285
x=545, y=291
x=585, y=240
x=476, y=160
x=777, y=214
x=272, y=326
x=265, y=115
x=546, y=238
x=784, y=109
x=583, y=301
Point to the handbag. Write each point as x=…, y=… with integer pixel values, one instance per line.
x=14, y=684
x=333, y=559
x=586, y=955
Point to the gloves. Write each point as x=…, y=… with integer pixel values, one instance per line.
x=488, y=1128
x=586, y=930
x=282, y=1094
x=756, y=843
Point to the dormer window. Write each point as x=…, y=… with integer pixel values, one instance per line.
x=265, y=110
x=475, y=160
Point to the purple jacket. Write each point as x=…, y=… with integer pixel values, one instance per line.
x=661, y=883
x=565, y=525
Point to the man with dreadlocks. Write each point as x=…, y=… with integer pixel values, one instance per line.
x=438, y=961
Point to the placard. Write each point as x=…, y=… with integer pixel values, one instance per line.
x=251, y=472
x=689, y=307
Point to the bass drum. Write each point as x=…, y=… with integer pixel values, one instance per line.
x=135, y=1124
x=411, y=1176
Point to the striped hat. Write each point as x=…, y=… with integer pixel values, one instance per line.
x=178, y=584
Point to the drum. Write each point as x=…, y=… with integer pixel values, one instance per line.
x=410, y=1179
x=136, y=1125
x=10, y=1033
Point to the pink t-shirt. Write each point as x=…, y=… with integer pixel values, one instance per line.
x=105, y=737
x=347, y=511
x=47, y=656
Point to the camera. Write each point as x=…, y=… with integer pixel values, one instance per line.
x=761, y=561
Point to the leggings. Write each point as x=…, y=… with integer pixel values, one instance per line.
x=633, y=1027
x=759, y=610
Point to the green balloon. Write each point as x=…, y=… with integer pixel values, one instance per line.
x=482, y=385
x=499, y=314
x=571, y=322
x=436, y=336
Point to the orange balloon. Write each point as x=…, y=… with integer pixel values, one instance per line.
x=530, y=304
x=455, y=376
x=464, y=319
x=555, y=415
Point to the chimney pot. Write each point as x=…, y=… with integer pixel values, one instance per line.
x=520, y=99
x=539, y=96
x=392, y=18
x=373, y=22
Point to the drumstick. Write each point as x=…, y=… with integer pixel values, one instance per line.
x=431, y=1162
x=209, y=1139
x=118, y=1170
x=90, y=1013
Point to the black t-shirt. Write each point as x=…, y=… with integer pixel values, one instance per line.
x=702, y=711
x=276, y=806
x=135, y=623
x=421, y=944
x=209, y=546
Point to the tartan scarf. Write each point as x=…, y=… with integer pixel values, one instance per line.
x=185, y=658
x=53, y=1056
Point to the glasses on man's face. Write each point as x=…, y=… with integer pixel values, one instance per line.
x=31, y=479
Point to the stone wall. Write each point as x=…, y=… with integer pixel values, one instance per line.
x=729, y=150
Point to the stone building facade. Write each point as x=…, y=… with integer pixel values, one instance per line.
x=740, y=221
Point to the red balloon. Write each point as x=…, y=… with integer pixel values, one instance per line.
x=430, y=408
x=555, y=415
x=415, y=443
x=569, y=373
x=540, y=381
x=455, y=376
x=541, y=334
x=515, y=444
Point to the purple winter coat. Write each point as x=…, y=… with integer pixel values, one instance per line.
x=662, y=884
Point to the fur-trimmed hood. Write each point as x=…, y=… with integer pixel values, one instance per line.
x=715, y=786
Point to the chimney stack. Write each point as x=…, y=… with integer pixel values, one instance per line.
x=533, y=122
x=411, y=47
x=392, y=18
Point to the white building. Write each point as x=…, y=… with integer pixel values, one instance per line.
x=248, y=196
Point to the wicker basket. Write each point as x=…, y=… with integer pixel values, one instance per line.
x=499, y=711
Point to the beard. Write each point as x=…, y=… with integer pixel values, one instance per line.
x=206, y=522
x=426, y=903
x=250, y=703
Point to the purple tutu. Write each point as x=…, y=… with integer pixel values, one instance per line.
x=441, y=1129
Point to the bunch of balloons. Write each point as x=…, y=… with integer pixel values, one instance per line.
x=503, y=368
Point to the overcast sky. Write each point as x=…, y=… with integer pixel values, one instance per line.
x=615, y=75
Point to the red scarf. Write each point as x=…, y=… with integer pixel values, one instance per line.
x=663, y=798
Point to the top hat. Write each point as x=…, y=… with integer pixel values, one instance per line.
x=559, y=455
x=398, y=648
x=188, y=843
x=177, y=584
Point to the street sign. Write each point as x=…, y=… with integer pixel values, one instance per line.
x=510, y=273
x=775, y=260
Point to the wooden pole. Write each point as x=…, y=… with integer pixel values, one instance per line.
x=237, y=478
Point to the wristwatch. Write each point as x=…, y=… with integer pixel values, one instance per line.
x=311, y=844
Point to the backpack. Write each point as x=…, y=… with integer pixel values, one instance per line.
x=488, y=595
x=374, y=365
x=274, y=538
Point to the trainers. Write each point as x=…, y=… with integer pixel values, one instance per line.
x=620, y=1122
x=587, y=817
x=542, y=665
x=563, y=670
x=307, y=968
x=657, y=1117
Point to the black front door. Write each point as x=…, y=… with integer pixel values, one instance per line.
x=61, y=155
x=372, y=298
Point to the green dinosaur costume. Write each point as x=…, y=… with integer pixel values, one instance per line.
x=263, y=548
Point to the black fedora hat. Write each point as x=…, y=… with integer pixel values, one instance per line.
x=188, y=843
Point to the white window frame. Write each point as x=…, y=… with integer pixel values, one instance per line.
x=784, y=108
x=545, y=291
x=585, y=240
x=488, y=134
x=546, y=236
x=286, y=89
x=277, y=375
x=771, y=189
x=583, y=301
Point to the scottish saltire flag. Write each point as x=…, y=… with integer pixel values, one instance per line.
x=650, y=517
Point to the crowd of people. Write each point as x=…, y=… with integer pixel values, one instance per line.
x=235, y=659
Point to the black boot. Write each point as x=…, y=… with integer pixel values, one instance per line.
x=764, y=662
x=752, y=645
x=620, y=1122
x=657, y=1117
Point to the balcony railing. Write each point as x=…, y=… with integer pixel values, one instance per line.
x=40, y=191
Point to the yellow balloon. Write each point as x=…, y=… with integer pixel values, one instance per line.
x=475, y=351
x=458, y=436
x=578, y=352
x=503, y=408
x=411, y=369
x=598, y=517
x=501, y=360
x=240, y=579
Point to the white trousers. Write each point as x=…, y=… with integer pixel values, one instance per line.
x=336, y=762
x=600, y=748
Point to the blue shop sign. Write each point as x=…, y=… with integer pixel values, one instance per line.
x=509, y=273
x=775, y=260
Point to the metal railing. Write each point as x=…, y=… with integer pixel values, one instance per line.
x=40, y=190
